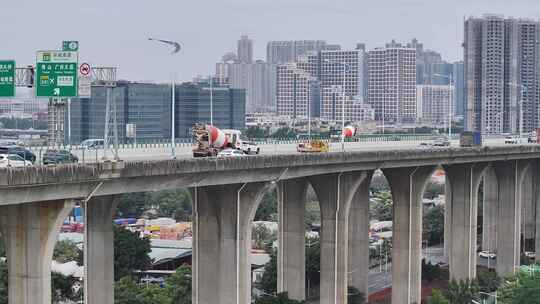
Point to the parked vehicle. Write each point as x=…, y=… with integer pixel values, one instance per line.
x=313, y=146
x=21, y=151
x=231, y=153
x=511, y=140
x=59, y=157
x=13, y=160
x=487, y=255
x=470, y=139
x=250, y=147
x=209, y=140
x=92, y=144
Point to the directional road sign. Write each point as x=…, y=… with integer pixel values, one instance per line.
x=7, y=78
x=56, y=74
x=71, y=46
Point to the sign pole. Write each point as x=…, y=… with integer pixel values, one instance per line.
x=69, y=122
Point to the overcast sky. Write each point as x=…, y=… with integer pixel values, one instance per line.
x=115, y=32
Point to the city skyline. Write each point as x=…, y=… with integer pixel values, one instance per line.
x=98, y=26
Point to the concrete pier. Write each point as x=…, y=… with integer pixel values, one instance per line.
x=359, y=237
x=463, y=181
x=222, y=241
x=291, y=238
x=335, y=193
x=30, y=232
x=99, y=250
x=490, y=210
x=408, y=185
x=510, y=176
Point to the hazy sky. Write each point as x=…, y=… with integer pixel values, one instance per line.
x=115, y=32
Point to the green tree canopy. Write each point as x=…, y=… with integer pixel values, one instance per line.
x=66, y=251
x=381, y=206
x=178, y=286
x=437, y=298
x=433, y=224
x=281, y=298
x=462, y=291
x=130, y=252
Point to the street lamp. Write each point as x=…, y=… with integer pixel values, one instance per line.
x=345, y=67
x=450, y=104
x=176, y=46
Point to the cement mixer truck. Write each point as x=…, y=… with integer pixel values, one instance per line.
x=209, y=140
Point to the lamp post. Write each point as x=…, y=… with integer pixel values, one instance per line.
x=176, y=46
x=345, y=67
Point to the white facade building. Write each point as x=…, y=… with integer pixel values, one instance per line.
x=434, y=103
x=356, y=110
x=392, y=84
x=295, y=89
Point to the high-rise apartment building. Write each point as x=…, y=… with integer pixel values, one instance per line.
x=434, y=103
x=280, y=52
x=392, y=84
x=501, y=69
x=245, y=50
x=459, y=88
x=334, y=66
x=296, y=88
x=258, y=79
x=356, y=109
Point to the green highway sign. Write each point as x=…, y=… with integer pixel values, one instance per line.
x=7, y=78
x=56, y=74
x=70, y=46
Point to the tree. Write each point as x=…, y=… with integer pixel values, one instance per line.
x=133, y=204
x=433, y=224
x=178, y=286
x=462, y=291
x=280, y=298
x=66, y=251
x=130, y=252
x=267, y=210
x=488, y=281
x=126, y=291
x=174, y=203
x=437, y=298
x=268, y=282
x=62, y=288
x=522, y=288
x=284, y=133
x=381, y=206
x=255, y=132
x=313, y=262
x=430, y=272
x=263, y=237
x=3, y=282
x=433, y=190
x=153, y=294
x=354, y=296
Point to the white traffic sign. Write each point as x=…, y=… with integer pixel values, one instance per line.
x=85, y=81
x=84, y=69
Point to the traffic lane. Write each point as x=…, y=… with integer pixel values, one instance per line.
x=162, y=153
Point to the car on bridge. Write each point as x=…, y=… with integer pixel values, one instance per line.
x=441, y=142
x=510, y=139
x=250, y=147
x=231, y=153
x=13, y=160
x=21, y=151
x=58, y=157
x=92, y=144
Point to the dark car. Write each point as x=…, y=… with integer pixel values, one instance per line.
x=21, y=151
x=59, y=157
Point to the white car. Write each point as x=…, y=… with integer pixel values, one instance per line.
x=250, y=147
x=487, y=255
x=13, y=160
x=510, y=140
x=231, y=153
x=530, y=254
x=424, y=145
